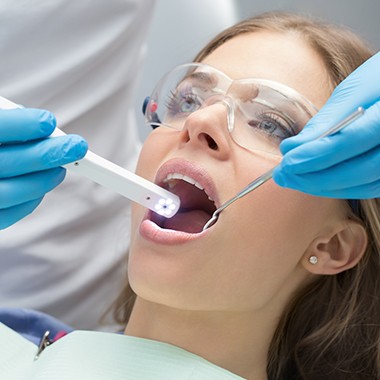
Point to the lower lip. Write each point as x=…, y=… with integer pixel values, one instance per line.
x=151, y=231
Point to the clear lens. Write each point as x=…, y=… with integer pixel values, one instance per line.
x=259, y=113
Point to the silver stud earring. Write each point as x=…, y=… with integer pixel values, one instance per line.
x=313, y=260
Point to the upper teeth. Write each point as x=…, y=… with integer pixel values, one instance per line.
x=183, y=177
x=172, y=177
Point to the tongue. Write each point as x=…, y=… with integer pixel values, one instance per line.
x=191, y=221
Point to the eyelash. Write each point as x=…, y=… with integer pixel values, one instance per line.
x=280, y=121
x=175, y=98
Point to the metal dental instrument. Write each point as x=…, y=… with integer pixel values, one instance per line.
x=118, y=179
x=268, y=175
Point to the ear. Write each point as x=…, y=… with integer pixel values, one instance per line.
x=337, y=251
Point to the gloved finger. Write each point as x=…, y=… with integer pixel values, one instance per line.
x=12, y=215
x=24, y=188
x=365, y=191
x=360, y=136
x=358, y=89
x=24, y=124
x=43, y=154
x=358, y=172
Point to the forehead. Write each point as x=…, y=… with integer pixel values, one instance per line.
x=285, y=58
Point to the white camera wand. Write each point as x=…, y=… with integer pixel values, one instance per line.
x=118, y=179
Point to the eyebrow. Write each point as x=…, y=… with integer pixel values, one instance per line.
x=206, y=79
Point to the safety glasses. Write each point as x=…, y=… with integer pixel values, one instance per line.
x=259, y=113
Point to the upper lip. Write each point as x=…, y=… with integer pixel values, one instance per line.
x=190, y=169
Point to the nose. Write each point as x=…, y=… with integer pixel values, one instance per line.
x=208, y=129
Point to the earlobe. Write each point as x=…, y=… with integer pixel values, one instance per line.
x=341, y=250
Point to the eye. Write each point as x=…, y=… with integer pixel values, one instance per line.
x=273, y=125
x=183, y=101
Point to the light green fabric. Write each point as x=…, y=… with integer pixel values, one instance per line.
x=101, y=356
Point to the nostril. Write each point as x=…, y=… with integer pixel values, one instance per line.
x=211, y=142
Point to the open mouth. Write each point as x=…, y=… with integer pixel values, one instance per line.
x=196, y=208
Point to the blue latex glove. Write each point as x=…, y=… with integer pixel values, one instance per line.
x=30, y=162
x=347, y=164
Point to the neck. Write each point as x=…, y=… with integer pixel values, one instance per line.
x=238, y=342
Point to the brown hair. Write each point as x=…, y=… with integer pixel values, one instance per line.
x=341, y=50
x=330, y=329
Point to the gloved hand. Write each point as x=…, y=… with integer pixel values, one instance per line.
x=30, y=162
x=347, y=164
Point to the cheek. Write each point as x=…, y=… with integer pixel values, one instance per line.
x=274, y=225
x=277, y=226
x=272, y=214
x=155, y=151
x=150, y=156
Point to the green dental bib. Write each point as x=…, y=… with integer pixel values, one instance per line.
x=101, y=356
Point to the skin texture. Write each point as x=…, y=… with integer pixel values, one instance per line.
x=221, y=294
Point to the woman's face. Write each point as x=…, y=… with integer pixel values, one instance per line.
x=254, y=256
